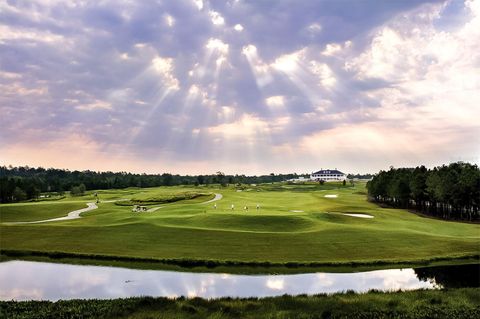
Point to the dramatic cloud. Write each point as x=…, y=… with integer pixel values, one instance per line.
x=239, y=86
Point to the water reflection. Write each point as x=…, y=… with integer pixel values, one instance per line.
x=451, y=276
x=25, y=280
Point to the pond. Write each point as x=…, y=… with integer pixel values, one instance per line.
x=26, y=280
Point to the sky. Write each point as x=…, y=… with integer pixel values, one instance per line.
x=242, y=87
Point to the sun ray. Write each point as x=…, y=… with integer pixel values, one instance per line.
x=299, y=75
x=200, y=95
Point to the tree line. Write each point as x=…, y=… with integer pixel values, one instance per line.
x=448, y=192
x=26, y=183
x=360, y=176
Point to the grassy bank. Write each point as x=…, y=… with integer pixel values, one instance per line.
x=295, y=225
x=232, y=267
x=452, y=303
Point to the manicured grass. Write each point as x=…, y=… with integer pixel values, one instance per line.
x=26, y=212
x=295, y=224
x=452, y=303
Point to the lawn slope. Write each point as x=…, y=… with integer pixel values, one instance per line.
x=294, y=224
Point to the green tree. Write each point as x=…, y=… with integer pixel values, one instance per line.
x=167, y=179
x=418, y=186
x=32, y=191
x=221, y=178
x=19, y=194
x=76, y=191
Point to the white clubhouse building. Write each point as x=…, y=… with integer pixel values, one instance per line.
x=328, y=175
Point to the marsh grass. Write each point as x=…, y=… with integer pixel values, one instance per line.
x=453, y=303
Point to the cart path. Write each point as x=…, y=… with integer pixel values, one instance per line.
x=217, y=197
x=91, y=206
x=72, y=215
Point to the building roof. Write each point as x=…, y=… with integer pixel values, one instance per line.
x=328, y=172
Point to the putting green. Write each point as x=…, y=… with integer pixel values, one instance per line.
x=294, y=223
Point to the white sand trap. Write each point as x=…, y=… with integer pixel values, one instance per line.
x=331, y=196
x=297, y=211
x=151, y=210
x=359, y=215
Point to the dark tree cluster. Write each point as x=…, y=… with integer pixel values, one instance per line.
x=26, y=183
x=451, y=276
x=448, y=192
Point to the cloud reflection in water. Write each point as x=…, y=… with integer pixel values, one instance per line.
x=25, y=280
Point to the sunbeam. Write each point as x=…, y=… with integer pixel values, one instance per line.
x=259, y=68
x=205, y=97
x=299, y=75
x=167, y=82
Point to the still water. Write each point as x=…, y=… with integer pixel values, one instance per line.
x=26, y=280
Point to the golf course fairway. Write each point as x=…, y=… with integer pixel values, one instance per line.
x=293, y=224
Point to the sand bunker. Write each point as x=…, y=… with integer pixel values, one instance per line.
x=331, y=196
x=297, y=211
x=359, y=215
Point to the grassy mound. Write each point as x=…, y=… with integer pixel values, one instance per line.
x=243, y=222
x=156, y=199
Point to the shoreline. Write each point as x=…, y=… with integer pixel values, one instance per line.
x=232, y=267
